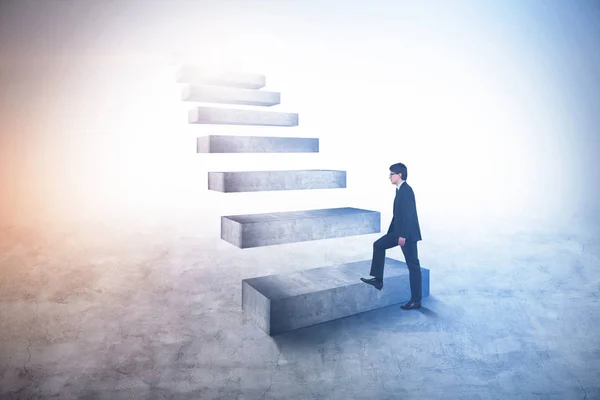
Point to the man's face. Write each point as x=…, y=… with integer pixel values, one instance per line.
x=395, y=178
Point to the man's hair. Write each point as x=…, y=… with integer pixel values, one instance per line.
x=399, y=168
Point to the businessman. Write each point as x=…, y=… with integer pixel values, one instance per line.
x=404, y=231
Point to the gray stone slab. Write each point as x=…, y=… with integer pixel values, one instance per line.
x=233, y=116
x=283, y=302
x=195, y=74
x=255, y=230
x=229, y=95
x=256, y=144
x=255, y=181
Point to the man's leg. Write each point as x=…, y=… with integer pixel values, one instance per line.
x=379, y=247
x=411, y=256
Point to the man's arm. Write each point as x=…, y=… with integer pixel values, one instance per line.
x=406, y=213
x=398, y=206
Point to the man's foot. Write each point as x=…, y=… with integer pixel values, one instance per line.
x=378, y=283
x=411, y=305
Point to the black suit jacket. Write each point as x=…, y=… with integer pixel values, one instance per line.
x=405, y=222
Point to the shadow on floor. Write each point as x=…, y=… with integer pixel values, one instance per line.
x=434, y=316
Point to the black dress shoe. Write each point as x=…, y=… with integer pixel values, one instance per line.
x=378, y=283
x=411, y=305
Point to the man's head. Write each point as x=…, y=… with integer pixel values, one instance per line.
x=398, y=173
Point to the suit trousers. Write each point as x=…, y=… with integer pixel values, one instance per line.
x=411, y=257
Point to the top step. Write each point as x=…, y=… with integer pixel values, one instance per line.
x=195, y=75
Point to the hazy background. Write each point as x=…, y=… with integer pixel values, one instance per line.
x=492, y=105
x=114, y=282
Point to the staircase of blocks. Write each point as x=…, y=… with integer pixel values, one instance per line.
x=288, y=301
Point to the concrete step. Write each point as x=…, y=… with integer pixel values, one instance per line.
x=256, y=181
x=195, y=74
x=284, y=302
x=255, y=230
x=227, y=95
x=235, y=116
x=256, y=144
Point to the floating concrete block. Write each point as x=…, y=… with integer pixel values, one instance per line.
x=284, y=302
x=255, y=181
x=194, y=74
x=254, y=230
x=256, y=144
x=232, y=116
x=227, y=95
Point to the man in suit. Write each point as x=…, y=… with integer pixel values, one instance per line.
x=404, y=231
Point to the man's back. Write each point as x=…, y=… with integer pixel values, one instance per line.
x=406, y=220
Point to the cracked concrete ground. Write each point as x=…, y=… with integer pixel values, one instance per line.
x=153, y=311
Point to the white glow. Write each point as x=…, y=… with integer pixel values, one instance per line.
x=465, y=105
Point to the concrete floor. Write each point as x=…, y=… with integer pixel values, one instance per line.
x=153, y=311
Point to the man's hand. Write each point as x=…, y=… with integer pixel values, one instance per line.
x=401, y=241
